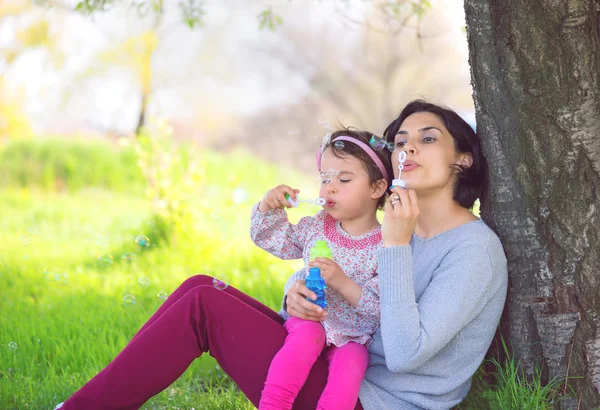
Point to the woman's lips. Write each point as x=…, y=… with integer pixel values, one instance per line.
x=409, y=165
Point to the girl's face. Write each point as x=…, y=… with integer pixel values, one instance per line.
x=349, y=194
x=430, y=154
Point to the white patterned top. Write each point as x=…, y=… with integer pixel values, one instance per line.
x=356, y=256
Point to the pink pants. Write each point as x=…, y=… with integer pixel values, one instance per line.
x=240, y=332
x=292, y=364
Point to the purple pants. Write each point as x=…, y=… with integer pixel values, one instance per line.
x=242, y=334
x=289, y=369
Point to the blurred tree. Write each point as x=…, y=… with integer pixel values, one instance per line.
x=360, y=74
x=135, y=54
x=13, y=121
x=192, y=10
x=34, y=34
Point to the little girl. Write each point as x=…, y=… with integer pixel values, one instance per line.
x=355, y=180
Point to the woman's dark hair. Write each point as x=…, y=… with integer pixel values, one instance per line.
x=348, y=148
x=473, y=181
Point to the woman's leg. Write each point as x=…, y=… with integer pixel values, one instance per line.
x=204, y=280
x=290, y=366
x=243, y=339
x=347, y=367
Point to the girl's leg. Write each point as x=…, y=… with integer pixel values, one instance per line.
x=347, y=367
x=204, y=280
x=290, y=366
x=243, y=339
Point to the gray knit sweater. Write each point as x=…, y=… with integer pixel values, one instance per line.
x=441, y=300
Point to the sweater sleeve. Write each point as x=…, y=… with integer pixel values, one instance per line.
x=414, y=332
x=273, y=232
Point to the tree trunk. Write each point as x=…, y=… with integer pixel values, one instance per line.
x=141, y=122
x=535, y=68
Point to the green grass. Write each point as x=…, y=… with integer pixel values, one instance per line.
x=59, y=164
x=68, y=330
x=66, y=333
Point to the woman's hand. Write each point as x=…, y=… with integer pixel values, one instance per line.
x=400, y=219
x=275, y=198
x=298, y=306
x=331, y=273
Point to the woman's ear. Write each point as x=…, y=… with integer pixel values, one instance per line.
x=379, y=189
x=466, y=160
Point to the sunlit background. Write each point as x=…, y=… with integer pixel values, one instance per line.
x=227, y=83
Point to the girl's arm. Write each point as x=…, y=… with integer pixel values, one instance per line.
x=273, y=232
x=365, y=298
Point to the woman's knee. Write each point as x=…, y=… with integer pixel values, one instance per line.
x=196, y=280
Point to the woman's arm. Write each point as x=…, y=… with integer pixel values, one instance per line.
x=460, y=288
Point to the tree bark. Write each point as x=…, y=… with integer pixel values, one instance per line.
x=535, y=68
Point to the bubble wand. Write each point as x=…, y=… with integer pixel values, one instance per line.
x=316, y=201
x=399, y=181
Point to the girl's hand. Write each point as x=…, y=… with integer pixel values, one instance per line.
x=334, y=276
x=400, y=219
x=275, y=198
x=298, y=306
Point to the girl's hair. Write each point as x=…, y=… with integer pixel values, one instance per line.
x=357, y=152
x=472, y=181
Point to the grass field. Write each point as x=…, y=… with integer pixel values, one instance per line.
x=63, y=278
x=72, y=294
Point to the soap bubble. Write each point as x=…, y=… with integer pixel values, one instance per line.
x=12, y=346
x=128, y=300
x=101, y=241
x=61, y=278
x=339, y=145
x=221, y=282
x=240, y=195
x=144, y=282
x=162, y=296
x=105, y=260
x=25, y=240
x=34, y=230
x=129, y=257
x=142, y=240
x=326, y=124
x=51, y=272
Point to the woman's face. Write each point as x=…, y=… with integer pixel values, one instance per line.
x=430, y=153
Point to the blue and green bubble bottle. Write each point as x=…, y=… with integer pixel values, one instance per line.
x=314, y=281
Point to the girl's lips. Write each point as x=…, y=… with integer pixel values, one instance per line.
x=330, y=204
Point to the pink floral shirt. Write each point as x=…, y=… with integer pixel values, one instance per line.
x=356, y=255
